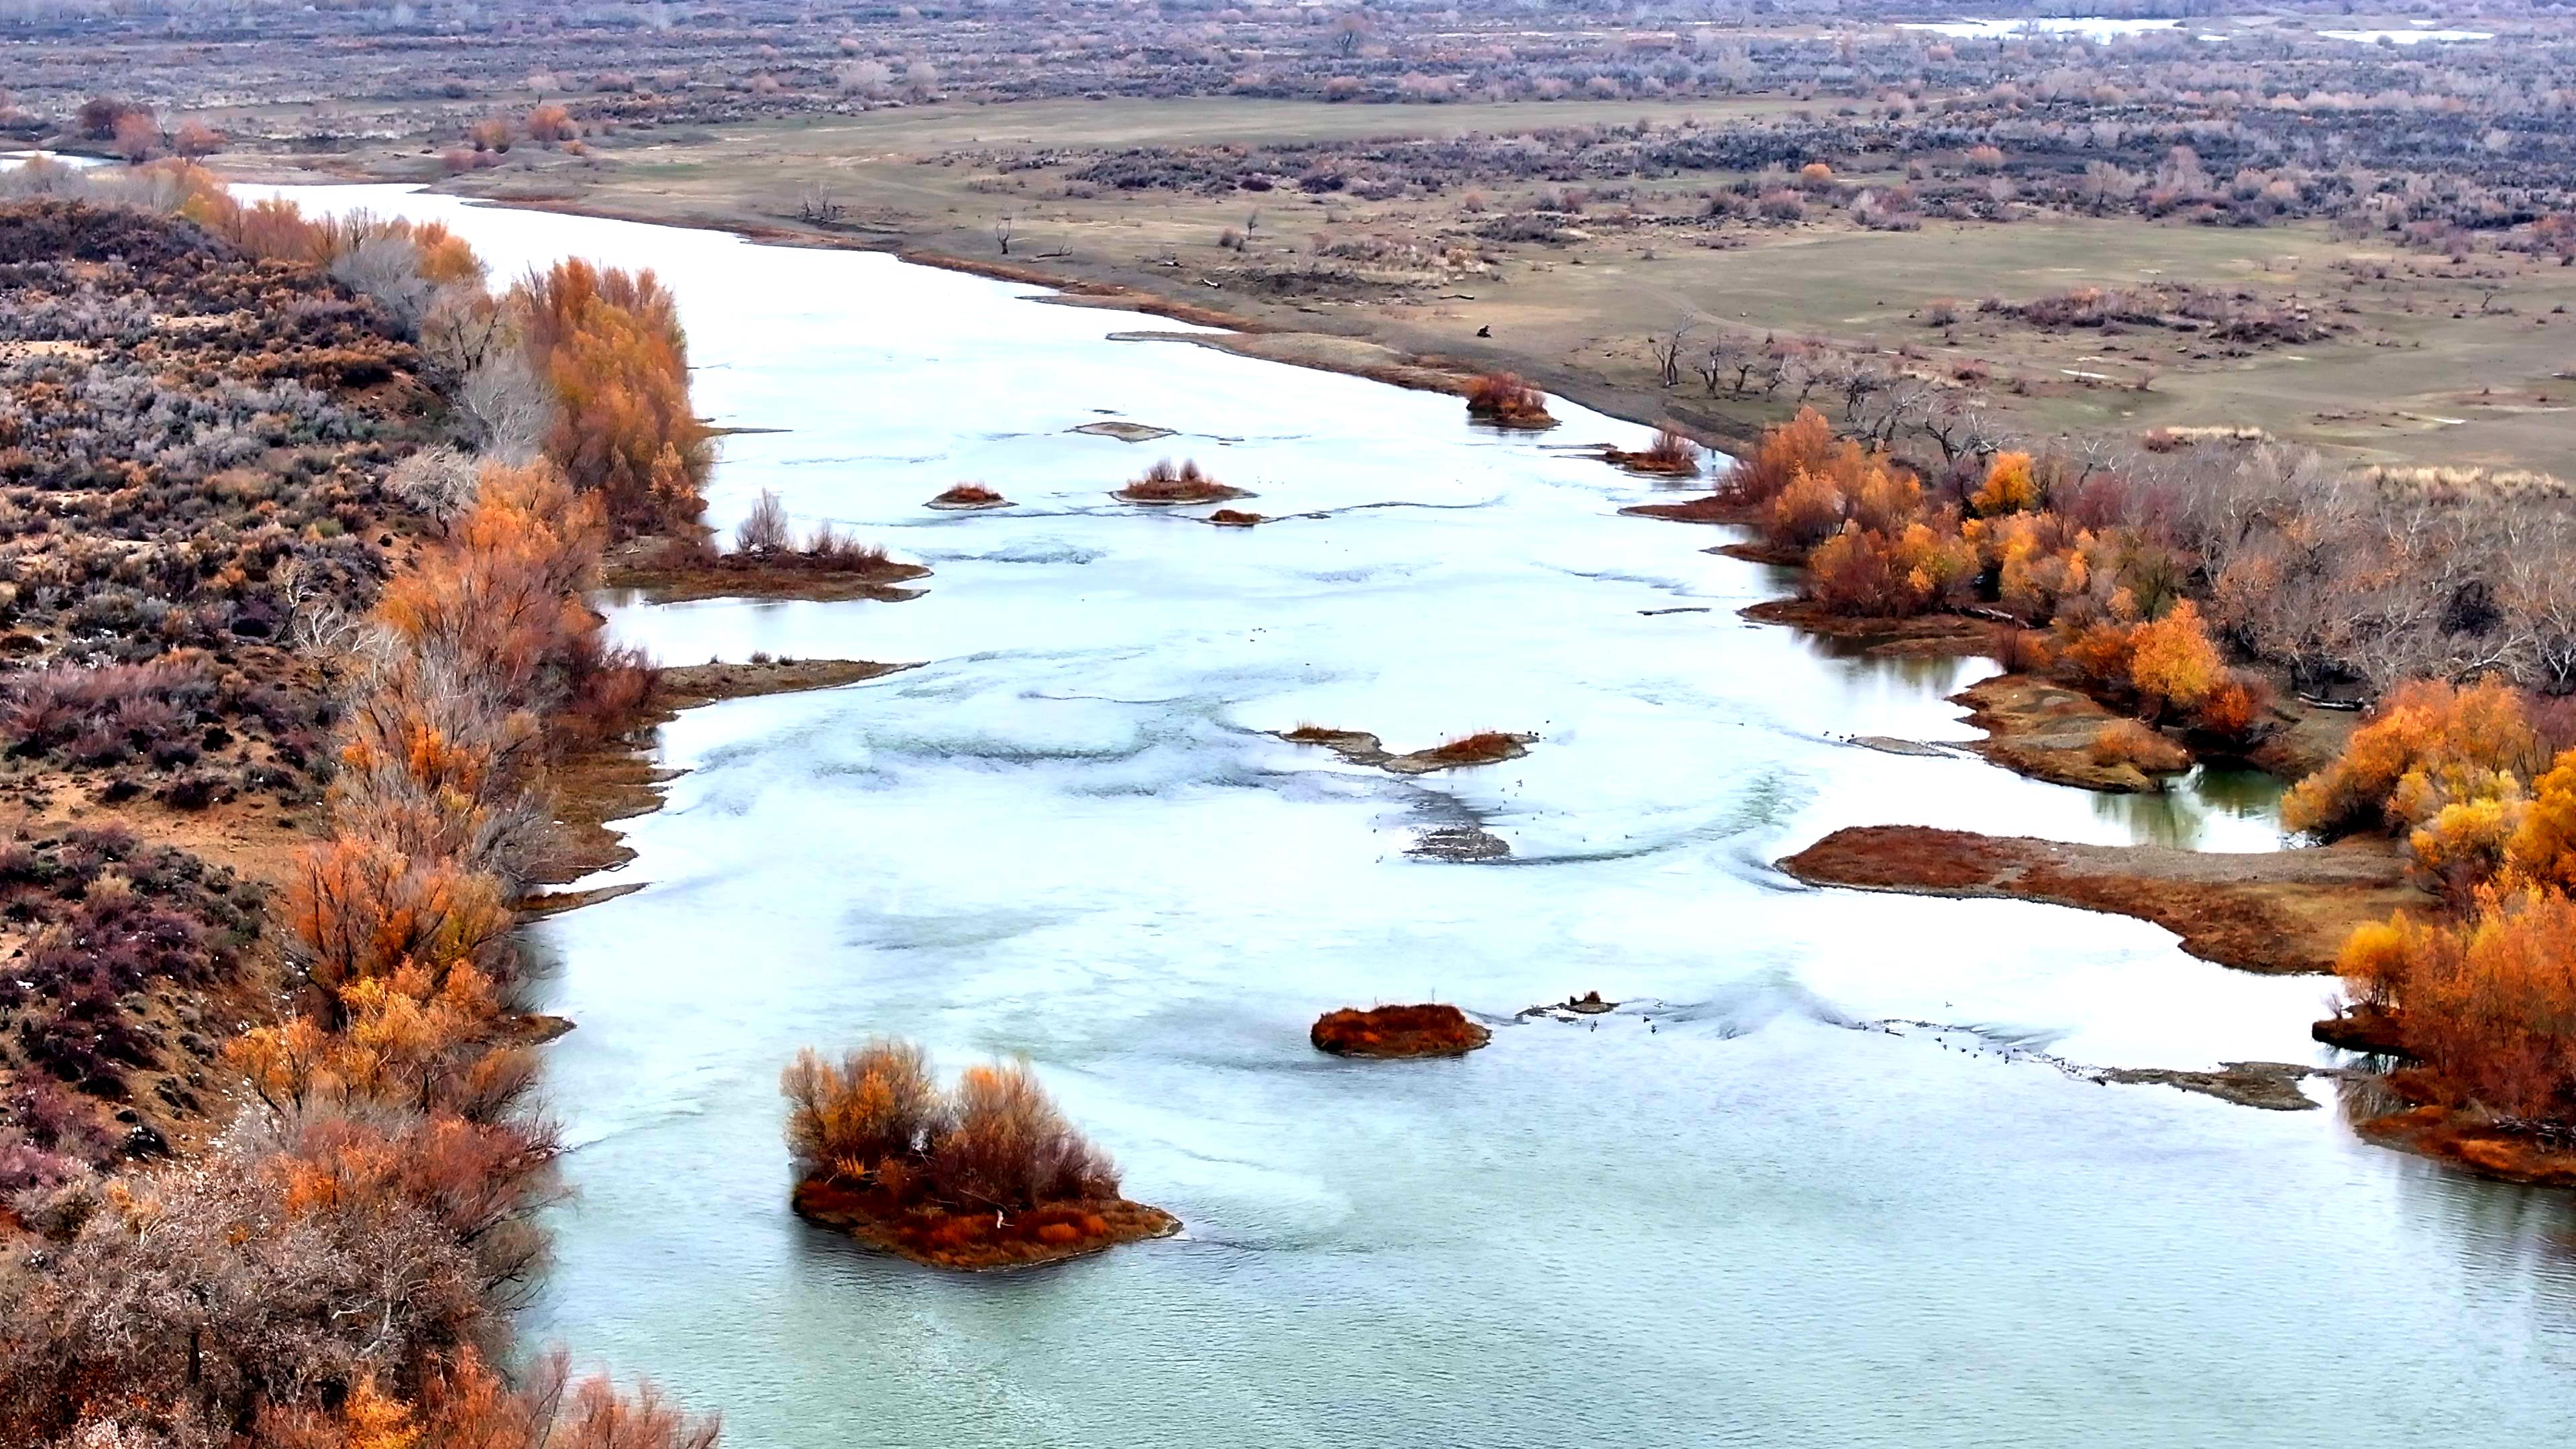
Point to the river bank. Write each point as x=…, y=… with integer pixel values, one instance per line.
x=2285, y=912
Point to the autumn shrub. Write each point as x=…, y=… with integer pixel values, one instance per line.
x=879, y=1101
x=2488, y=1004
x=2428, y=744
x=1806, y=443
x=969, y=495
x=2010, y=487
x=1502, y=397
x=610, y=346
x=1807, y=511
x=358, y=909
x=1923, y=569
x=2173, y=665
x=994, y=1142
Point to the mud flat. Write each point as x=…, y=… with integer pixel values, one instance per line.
x=2047, y=731
x=1362, y=748
x=2279, y=912
x=753, y=580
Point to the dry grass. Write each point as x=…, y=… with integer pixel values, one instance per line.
x=1501, y=398
x=1425, y=1030
x=1187, y=483
x=2128, y=742
x=1481, y=748
x=969, y=495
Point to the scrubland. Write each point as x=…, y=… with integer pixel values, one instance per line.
x=304, y=509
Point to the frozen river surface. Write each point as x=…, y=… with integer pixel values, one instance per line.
x=1760, y=1218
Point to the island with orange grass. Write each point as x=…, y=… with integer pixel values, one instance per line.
x=1502, y=400
x=1424, y=1030
x=1486, y=747
x=1163, y=485
x=987, y=1174
x=967, y=498
x=1670, y=455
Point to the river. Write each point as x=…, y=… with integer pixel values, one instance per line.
x=1755, y=1206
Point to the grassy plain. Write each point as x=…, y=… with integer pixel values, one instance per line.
x=2427, y=361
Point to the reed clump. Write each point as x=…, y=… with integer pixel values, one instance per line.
x=1186, y=482
x=1504, y=400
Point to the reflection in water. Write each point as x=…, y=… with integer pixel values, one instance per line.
x=2180, y=814
x=1066, y=836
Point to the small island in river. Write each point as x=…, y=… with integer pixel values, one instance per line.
x=1485, y=747
x=968, y=498
x=1164, y=485
x=985, y=1175
x=1424, y=1030
x=1502, y=400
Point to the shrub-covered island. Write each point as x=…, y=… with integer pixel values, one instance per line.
x=985, y=1175
x=1426, y=1030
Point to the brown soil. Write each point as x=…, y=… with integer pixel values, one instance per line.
x=1754, y=550
x=614, y=781
x=2281, y=912
x=2273, y=1086
x=1362, y=748
x=2473, y=1145
x=2047, y=731
x=758, y=580
x=1709, y=508
x=980, y=1241
x=1426, y=1030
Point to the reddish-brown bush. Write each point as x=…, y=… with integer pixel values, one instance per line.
x=609, y=343
x=1164, y=483
x=1503, y=399
x=994, y=1143
x=1424, y=1030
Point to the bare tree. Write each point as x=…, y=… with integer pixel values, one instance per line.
x=1667, y=349
x=1002, y=232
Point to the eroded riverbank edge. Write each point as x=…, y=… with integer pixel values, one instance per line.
x=2283, y=912
x=616, y=780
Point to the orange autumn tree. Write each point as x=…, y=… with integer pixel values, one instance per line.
x=609, y=345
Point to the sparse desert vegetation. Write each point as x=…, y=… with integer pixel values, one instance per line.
x=314, y=1206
